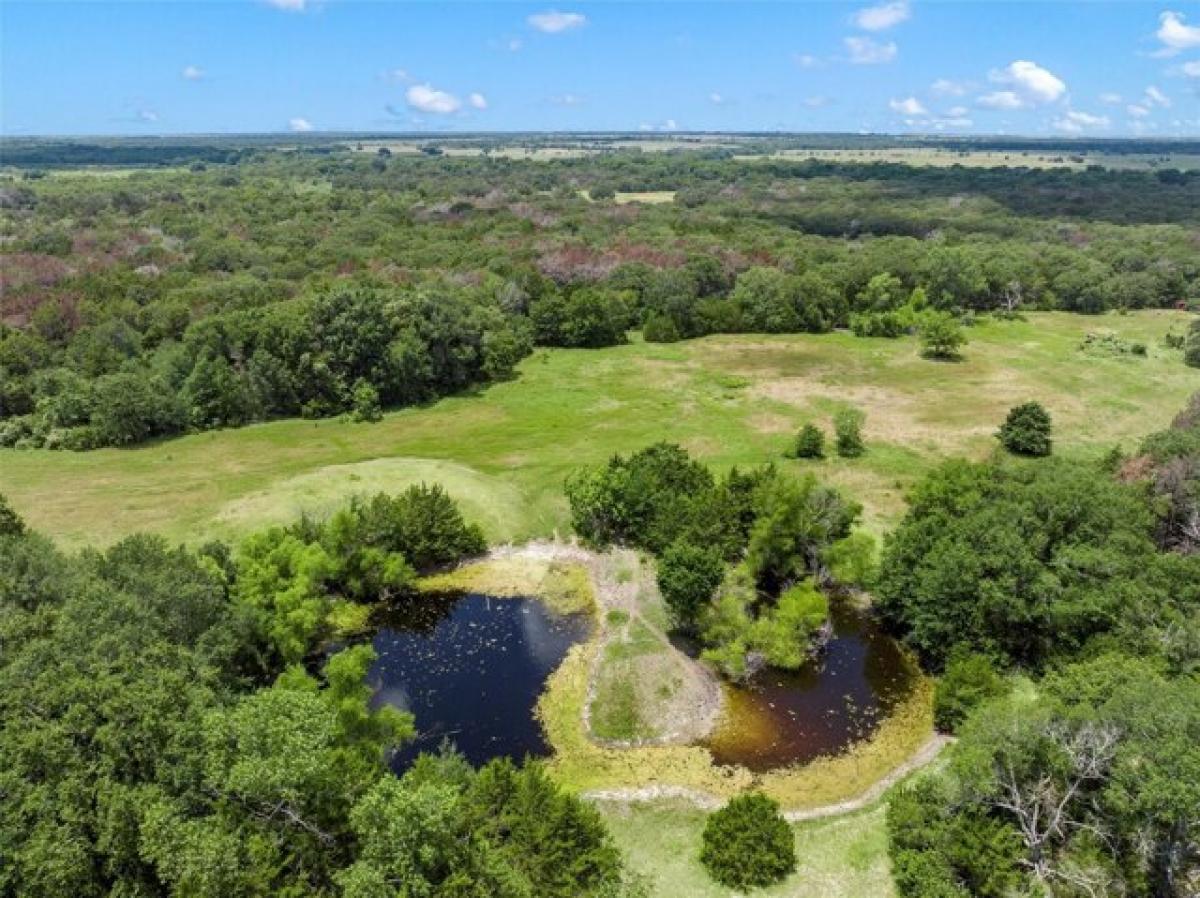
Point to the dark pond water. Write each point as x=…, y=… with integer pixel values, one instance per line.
x=790, y=717
x=471, y=668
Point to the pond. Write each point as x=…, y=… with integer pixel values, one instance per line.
x=470, y=668
x=791, y=717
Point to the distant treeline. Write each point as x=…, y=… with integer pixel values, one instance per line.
x=72, y=153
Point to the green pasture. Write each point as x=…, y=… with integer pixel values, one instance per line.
x=732, y=400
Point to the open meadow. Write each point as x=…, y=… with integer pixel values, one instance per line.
x=504, y=451
x=840, y=857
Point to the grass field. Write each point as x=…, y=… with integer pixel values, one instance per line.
x=939, y=157
x=839, y=857
x=505, y=451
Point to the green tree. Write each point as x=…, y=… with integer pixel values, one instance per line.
x=1020, y=562
x=847, y=428
x=364, y=402
x=1026, y=430
x=1191, y=346
x=810, y=442
x=688, y=575
x=747, y=844
x=968, y=681
x=798, y=521
x=214, y=395
x=10, y=522
x=941, y=335
x=660, y=328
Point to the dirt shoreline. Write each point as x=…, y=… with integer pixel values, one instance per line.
x=926, y=755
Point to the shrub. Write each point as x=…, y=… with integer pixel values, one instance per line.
x=647, y=499
x=364, y=401
x=688, y=575
x=810, y=442
x=423, y=524
x=748, y=844
x=10, y=522
x=1191, y=346
x=1026, y=430
x=941, y=335
x=969, y=681
x=660, y=329
x=847, y=426
x=784, y=634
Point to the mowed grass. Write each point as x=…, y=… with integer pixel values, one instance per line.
x=839, y=857
x=732, y=400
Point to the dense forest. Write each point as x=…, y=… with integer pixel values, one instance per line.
x=1061, y=604
x=177, y=722
x=258, y=282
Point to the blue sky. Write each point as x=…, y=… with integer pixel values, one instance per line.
x=1085, y=68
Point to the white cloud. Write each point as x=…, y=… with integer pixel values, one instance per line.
x=192, y=73
x=954, y=121
x=816, y=102
x=1073, y=122
x=1000, y=99
x=477, y=101
x=864, y=51
x=299, y=125
x=1111, y=99
x=716, y=99
x=514, y=45
x=288, y=5
x=555, y=22
x=883, y=16
x=957, y=111
x=147, y=115
x=1175, y=35
x=1034, y=82
x=427, y=98
x=1155, y=97
x=1137, y=111
x=567, y=100
x=668, y=125
x=396, y=76
x=910, y=106
x=944, y=87
x=806, y=60
x=1191, y=69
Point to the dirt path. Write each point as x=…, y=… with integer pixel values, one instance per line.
x=705, y=801
x=625, y=584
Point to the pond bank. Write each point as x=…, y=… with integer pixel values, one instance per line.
x=568, y=708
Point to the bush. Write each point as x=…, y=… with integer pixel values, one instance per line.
x=423, y=524
x=646, y=500
x=748, y=844
x=1191, y=346
x=810, y=442
x=660, y=329
x=968, y=682
x=365, y=402
x=847, y=426
x=10, y=522
x=941, y=335
x=688, y=575
x=1026, y=430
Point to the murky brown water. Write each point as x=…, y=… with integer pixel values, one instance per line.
x=790, y=717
